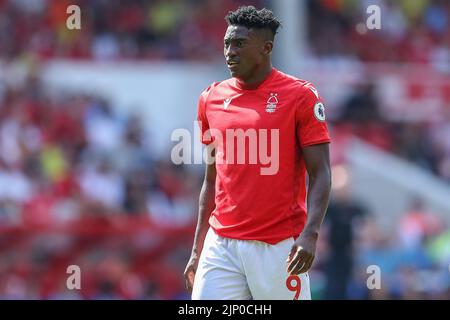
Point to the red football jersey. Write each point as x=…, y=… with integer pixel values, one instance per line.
x=259, y=134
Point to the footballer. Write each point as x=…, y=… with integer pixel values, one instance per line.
x=256, y=233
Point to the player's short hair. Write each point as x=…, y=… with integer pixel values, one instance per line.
x=250, y=17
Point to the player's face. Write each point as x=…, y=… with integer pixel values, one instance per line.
x=244, y=51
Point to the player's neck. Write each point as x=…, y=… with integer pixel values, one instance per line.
x=257, y=79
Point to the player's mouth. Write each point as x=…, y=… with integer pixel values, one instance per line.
x=232, y=65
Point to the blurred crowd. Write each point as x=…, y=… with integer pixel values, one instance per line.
x=359, y=260
x=80, y=184
x=102, y=258
x=422, y=142
x=111, y=30
x=72, y=153
x=412, y=259
x=411, y=31
x=67, y=158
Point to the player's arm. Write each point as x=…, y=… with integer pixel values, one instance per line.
x=206, y=206
x=317, y=161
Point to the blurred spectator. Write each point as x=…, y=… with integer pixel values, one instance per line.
x=342, y=218
x=363, y=106
x=417, y=225
x=101, y=184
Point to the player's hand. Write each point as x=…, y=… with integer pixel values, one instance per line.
x=302, y=254
x=189, y=272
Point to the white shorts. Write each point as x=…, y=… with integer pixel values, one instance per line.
x=231, y=269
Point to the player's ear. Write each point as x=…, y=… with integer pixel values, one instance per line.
x=268, y=47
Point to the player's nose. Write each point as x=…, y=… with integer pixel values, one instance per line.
x=230, y=52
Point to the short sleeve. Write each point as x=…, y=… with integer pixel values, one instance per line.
x=311, y=123
x=205, y=135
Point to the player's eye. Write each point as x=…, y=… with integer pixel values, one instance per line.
x=239, y=43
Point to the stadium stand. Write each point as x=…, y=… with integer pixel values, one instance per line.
x=79, y=183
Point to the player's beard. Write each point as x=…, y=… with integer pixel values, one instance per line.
x=235, y=70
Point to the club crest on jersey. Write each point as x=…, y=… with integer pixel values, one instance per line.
x=272, y=103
